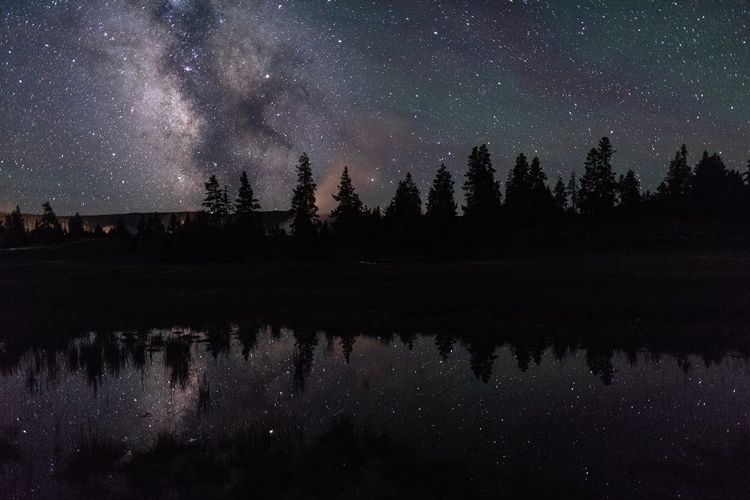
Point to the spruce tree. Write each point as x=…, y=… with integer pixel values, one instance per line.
x=245, y=204
x=246, y=207
x=540, y=197
x=304, y=212
x=48, y=228
x=709, y=184
x=348, y=213
x=598, y=185
x=226, y=206
x=678, y=176
x=214, y=196
x=441, y=204
x=481, y=190
x=406, y=205
x=518, y=190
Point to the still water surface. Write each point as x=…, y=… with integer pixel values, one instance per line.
x=532, y=421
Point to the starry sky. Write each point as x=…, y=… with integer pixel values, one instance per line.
x=129, y=105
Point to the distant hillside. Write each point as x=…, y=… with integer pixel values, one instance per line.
x=270, y=219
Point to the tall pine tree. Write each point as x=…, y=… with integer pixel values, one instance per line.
x=347, y=216
x=404, y=213
x=48, y=228
x=304, y=212
x=598, y=185
x=677, y=184
x=518, y=190
x=212, y=200
x=709, y=185
x=406, y=205
x=540, y=197
x=441, y=204
x=481, y=191
x=679, y=174
x=246, y=207
x=245, y=204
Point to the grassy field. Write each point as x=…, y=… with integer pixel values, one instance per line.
x=70, y=289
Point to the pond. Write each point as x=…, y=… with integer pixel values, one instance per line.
x=254, y=410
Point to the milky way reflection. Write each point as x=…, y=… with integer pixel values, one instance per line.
x=590, y=416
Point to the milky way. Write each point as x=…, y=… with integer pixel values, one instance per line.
x=130, y=105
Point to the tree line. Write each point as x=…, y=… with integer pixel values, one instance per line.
x=229, y=229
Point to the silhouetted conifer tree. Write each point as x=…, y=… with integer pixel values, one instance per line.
x=245, y=204
x=527, y=197
x=677, y=185
x=441, y=212
x=517, y=191
x=214, y=200
x=482, y=191
x=406, y=205
x=48, y=228
x=304, y=212
x=404, y=213
x=226, y=205
x=441, y=203
x=15, y=231
x=75, y=227
x=708, y=185
x=597, y=193
x=347, y=216
x=540, y=197
x=560, y=195
x=246, y=207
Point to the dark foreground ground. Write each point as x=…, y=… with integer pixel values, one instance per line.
x=96, y=285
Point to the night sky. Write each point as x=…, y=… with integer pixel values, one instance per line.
x=128, y=105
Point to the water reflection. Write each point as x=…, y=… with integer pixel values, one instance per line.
x=109, y=353
x=213, y=404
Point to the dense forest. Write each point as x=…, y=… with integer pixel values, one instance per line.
x=231, y=230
